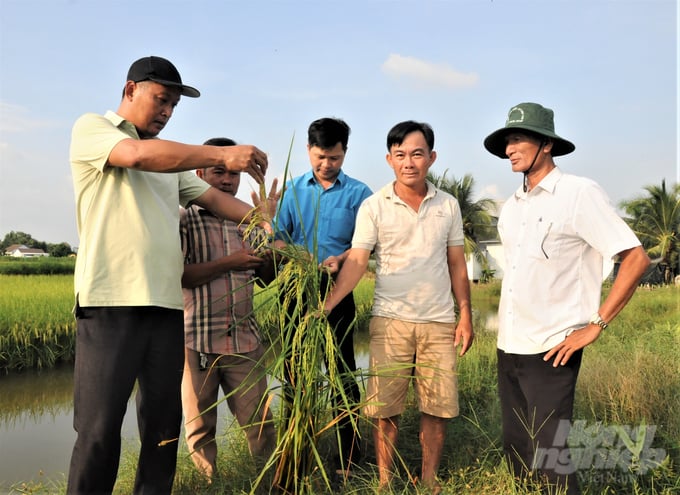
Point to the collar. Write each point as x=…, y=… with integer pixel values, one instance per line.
x=388, y=191
x=309, y=179
x=121, y=123
x=548, y=184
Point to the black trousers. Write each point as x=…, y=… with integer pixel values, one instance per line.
x=116, y=346
x=340, y=320
x=534, y=398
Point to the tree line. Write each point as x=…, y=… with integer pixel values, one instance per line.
x=653, y=216
x=58, y=250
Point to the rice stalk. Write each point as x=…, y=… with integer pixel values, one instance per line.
x=304, y=363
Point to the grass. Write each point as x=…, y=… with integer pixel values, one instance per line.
x=44, y=265
x=630, y=377
x=37, y=328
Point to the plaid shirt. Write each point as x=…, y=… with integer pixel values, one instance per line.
x=218, y=316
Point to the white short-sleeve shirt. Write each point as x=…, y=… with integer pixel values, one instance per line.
x=554, y=240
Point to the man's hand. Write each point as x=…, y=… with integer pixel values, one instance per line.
x=326, y=309
x=465, y=334
x=331, y=264
x=266, y=202
x=576, y=340
x=245, y=259
x=246, y=158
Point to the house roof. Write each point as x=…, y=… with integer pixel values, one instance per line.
x=14, y=247
x=30, y=251
x=23, y=249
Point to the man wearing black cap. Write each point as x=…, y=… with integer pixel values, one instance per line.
x=129, y=306
x=556, y=230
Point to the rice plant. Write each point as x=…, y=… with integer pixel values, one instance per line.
x=37, y=328
x=304, y=365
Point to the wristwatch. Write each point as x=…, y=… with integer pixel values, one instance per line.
x=596, y=319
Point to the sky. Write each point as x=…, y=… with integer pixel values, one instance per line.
x=267, y=69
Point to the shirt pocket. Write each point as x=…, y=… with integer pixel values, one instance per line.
x=547, y=242
x=340, y=223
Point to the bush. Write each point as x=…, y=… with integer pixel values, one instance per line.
x=37, y=266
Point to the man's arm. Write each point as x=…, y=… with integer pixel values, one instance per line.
x=230, y=208
x=352, y=270
x=634, y=262
x=460, y=284
x=224, y=205
x=158, y=155
x=196, y=274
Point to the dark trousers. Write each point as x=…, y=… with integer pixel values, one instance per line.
x=534, y=397
x=340, y=320
x=114, y=347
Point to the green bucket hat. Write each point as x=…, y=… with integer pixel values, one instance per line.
x=531, y=117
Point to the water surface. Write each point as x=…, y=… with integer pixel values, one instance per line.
x=36, y=418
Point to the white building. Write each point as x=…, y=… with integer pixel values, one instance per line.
x=21, y=251
x=493, y=251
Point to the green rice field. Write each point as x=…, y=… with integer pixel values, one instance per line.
x=37, y=327
x=630, y=378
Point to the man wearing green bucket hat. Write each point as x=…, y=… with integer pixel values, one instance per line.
x=556, y=231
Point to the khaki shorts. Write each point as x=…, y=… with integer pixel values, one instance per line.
x=401, y=351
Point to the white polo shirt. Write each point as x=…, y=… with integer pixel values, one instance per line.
x=412, y=275
x=554, y=240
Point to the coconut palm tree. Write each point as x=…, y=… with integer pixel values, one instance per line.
x=655, y=219
x=478, y=222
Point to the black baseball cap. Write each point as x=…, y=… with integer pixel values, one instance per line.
x=162, y=71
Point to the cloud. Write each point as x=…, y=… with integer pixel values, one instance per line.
x=490, y=191
x=426, y=73
x=15, y=118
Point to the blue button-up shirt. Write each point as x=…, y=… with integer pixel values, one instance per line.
x=321, y=220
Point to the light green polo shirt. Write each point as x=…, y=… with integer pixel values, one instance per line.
x=128, y=221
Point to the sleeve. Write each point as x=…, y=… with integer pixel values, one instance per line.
x=366, y=228
x=190, y=187
x=365, y=194
x=599, y=224
x=92, y=139
x=456, y=233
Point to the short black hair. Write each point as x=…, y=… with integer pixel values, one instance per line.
x=220, y=141
x=399, y=132
x=327, y=132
